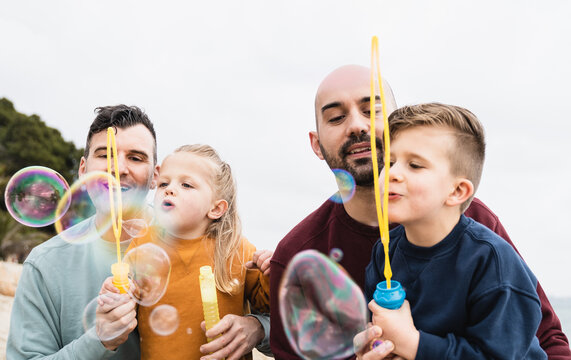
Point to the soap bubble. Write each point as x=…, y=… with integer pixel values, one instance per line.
x=346, y=185
x=93, y=317
x=321, y=308
x=336, y=254
x=88, y=189
x=164, y=320
x=32, y=196
x=135, y=228
x=149, y=272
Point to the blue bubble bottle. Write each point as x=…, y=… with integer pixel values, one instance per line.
x=389, y=298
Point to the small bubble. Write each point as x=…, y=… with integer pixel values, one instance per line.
x=336, y=254
x=346, y=185
x=164, y=320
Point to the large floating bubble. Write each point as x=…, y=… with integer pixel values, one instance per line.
x=149, y=272
x=321, y=308
x=93, y=318
x=346, y=185
x=88, y=190
x=32, y=196
x=164, y=320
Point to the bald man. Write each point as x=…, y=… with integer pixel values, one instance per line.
x=342, y=139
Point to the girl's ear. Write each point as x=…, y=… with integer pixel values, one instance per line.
x=218, y=209
x=463, y=190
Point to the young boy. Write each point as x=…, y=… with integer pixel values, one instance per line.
x=470, y=295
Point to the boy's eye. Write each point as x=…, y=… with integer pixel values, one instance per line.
x=185, y=185
x=415, y=166
x=162, y=185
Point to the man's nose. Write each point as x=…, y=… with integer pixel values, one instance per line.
x=122, y=165
x=358, y=123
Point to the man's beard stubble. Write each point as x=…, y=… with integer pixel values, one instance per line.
x=361, y=169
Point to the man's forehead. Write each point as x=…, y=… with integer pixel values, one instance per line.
x=347, y=83
x=134, y=138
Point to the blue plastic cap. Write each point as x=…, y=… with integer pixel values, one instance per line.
x=389, y=298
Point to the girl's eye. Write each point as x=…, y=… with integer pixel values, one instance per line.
x=162, y=185
x=185, y=185
x=415, y=166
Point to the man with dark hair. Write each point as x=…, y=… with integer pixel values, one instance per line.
x=61, y=277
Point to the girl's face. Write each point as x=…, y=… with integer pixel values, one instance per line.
x=185, y=201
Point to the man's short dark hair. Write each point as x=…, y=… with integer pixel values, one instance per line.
x=119, y=116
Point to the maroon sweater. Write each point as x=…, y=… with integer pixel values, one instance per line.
x=331, y=227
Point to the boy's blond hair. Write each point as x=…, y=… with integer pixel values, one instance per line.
x=467, y=157
x=226, y=230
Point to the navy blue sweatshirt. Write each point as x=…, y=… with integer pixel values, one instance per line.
x=471, y=295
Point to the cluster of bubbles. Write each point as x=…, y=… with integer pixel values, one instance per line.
x=149, y=272
x=321, y=307
x=38, y=196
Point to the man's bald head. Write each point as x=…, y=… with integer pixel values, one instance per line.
x=345, y=82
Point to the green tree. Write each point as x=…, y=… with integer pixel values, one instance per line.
x=25, y=140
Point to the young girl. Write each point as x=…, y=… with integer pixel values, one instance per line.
x=197, y=225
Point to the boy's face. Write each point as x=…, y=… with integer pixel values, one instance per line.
x=420, y=179
x=137, y=171
x=184, y=197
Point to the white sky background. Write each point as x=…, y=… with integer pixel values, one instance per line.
x=241, y=76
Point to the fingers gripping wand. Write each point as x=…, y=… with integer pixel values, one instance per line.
x=209, y=300
x=385, y=295
x=120, y=270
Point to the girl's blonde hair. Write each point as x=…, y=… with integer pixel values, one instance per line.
x=226, y=230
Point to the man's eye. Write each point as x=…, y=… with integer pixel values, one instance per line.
x=135, y=158
x=336, y=119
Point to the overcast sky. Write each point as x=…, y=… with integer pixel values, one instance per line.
x=241, y=76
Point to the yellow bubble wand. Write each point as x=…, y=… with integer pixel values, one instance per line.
x=382, y=216
x=119, y=270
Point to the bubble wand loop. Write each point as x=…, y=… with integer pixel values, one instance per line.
x=119, y=269
x=381, y=215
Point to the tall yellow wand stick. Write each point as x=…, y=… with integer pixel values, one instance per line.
x=119, y=270
x=382, y=213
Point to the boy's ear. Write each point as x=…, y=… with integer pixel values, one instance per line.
x=220, y=207
x=462, y=191
x=314, y=140
x=155, y=177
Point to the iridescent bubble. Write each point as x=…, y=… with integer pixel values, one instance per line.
x=93, y=318
x=321, y=308
x=88, y=190
x=149, y=272
x=135, y=228
x=32, y=196
x=346, y=185
x=336, y=254
x=164, y=320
